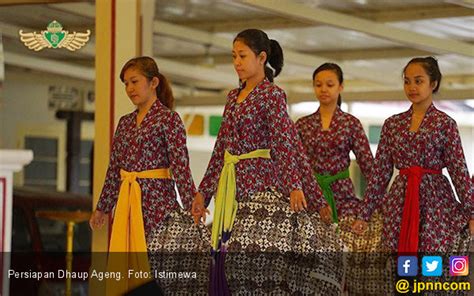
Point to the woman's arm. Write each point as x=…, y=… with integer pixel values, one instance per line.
x=178, y=156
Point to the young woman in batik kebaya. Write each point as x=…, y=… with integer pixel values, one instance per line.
x=148, y=157
x=328, y=136
x=257, y=172
x=421, y=211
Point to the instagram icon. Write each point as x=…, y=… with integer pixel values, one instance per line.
x=458, y=265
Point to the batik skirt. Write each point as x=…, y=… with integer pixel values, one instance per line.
x=179, y=255
x=275, y=251
x=367, y=269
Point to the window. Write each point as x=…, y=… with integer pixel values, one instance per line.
x=86, y=166
x=42, y=171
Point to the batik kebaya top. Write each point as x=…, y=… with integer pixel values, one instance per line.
x=436, y=145
x=159, y=142
x=261, y=121
x=328, y=153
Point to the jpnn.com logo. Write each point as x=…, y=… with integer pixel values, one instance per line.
x=54, y=37
x=431, y=266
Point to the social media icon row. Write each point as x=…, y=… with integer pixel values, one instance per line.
x=433, y=266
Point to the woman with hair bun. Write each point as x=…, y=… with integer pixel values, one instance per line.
x=421, y=212
x=262, y=184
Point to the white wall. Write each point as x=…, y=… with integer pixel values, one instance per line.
x=25, y=102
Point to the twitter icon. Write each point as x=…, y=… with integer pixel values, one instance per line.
x=432, y=266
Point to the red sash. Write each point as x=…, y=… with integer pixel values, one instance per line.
x=408, y=240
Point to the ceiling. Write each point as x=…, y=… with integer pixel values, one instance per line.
x=371, y=40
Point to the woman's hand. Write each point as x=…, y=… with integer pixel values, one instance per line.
x=97, y=220
x=359, y=226
x=326, y=214
x=471, y=227
x=297, y=201
x=198, y=210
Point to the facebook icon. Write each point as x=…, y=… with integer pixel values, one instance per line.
x=407, y=266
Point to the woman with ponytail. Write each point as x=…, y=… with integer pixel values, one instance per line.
x=148, y=158
x=422, y=214
x=262, y=186
x=328, y=136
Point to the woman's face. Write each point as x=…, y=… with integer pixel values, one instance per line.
x=138, y=88
x=327, y=87
x=417, y=85
x=246, y=63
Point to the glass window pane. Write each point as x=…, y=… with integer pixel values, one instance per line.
x=42, y=146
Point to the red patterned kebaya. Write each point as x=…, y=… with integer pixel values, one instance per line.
x=261, y=121
x=328, y=153
x=434, y=146
x=159, y=142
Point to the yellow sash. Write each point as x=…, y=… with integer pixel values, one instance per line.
x=226, y=205
x=128, y=248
